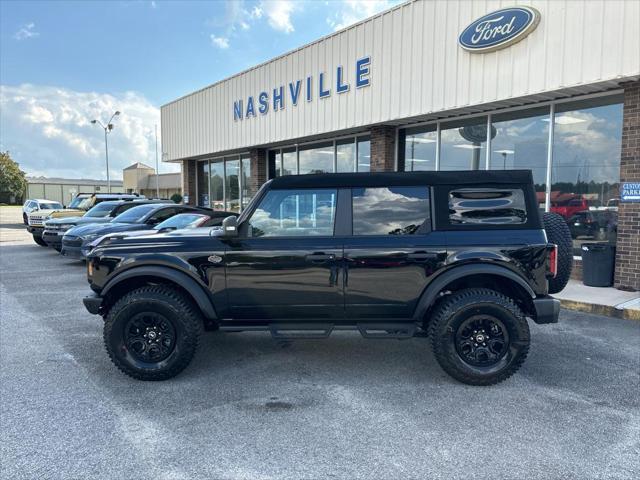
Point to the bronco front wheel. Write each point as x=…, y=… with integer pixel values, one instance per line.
x=479, y=336
x=152, y=332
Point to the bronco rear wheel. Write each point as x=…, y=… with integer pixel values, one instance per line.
x=479, y=336
x=152, y=332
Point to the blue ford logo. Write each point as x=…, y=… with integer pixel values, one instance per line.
x=499, y=29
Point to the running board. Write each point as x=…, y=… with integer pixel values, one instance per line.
x=292, y=331
x=387, y=330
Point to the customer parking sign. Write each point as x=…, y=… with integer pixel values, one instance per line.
x=630, y=192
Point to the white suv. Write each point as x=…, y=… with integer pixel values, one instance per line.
x=34, y=205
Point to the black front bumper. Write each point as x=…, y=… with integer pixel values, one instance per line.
x=53, y=238
x=93, y=303
x=35, y=231
x=547, y=309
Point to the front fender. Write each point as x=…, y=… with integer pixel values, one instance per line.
x=198, y=293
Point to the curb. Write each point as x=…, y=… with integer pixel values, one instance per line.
x=607, y=310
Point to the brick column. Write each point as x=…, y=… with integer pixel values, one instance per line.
x=627, y=275
x=383, y=147
x=258, y=158
x=189, y=180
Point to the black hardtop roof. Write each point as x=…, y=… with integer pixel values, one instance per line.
x=384, y=179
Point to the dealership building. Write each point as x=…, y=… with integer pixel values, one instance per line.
x=550, y=86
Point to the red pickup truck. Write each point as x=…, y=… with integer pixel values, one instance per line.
x=570, y=207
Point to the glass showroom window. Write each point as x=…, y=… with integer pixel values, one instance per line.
x=316, y=158
x=346, y=155
x=585, y=174
x=232, y=185
x=520, y=141
x=289, y=161
x=462, y=144
x=420, y=148
x=202, y=174
x=216, y=185
x=245, y=182
x=364, y=154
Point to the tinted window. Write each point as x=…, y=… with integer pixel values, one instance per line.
x=50, y=206
x=184, y=220
x=100, y=210
x=390, y=211
x=286, y=213
x=162, y=215
x=135, y=214
x=487, y=206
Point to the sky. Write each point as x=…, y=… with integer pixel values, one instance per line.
x=65, y=63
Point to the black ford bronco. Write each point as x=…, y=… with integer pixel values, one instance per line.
x=460, y=257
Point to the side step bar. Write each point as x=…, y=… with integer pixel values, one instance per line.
x=316, y=330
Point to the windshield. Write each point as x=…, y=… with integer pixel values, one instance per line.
x=49, y=206
x=135, y=214
x=101, y=210
x=76, y=201
x=184, y=220
x=85, y=204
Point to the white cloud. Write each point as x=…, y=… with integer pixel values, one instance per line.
x=220, y=42
x=256, y=12
x=26, y=31
x=48, y=131
x=349, y=12
x=278, y=13
x=153, y=4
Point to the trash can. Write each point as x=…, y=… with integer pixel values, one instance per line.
x=598, y=260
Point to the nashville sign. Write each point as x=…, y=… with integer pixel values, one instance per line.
x=307, y=89
x=499, y=29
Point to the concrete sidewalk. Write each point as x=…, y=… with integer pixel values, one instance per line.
x=601, y=300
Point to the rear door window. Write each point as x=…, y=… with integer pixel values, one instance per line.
x=391, y=210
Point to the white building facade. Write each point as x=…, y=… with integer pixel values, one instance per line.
x=550, y=86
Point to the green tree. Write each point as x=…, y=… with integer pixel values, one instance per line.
x=176, y=198
x=12, y=179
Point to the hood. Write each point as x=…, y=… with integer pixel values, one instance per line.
x=67, y=212
x=105, y=228
x=191, y=239
x=64, y=220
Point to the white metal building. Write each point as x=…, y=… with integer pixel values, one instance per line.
x=437, y=85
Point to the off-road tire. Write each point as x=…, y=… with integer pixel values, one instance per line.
x=558, y=232
x=40, y=241
x=455, y=309
x=176, y=308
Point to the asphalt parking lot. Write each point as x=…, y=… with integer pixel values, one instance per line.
x=250, y=408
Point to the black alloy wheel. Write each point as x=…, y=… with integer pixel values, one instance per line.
x=152, y=332
x=149, y=336
x=479, y=336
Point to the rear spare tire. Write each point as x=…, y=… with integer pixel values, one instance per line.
x=558, y=232
x=152, y=332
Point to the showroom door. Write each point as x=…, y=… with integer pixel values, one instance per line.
x=286, y=262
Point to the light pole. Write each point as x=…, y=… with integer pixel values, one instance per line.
x=107, y=128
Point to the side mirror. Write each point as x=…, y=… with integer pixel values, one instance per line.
x=230, y=226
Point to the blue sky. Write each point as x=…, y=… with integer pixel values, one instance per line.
x=63, y=63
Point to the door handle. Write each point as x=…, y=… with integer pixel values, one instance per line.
x=320, y=257
x=421, y=256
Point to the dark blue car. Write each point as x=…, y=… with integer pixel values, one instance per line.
x=76, y=240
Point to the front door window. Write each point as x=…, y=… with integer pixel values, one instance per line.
x=289, y=213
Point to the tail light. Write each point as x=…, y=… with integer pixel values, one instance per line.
x=553, y=260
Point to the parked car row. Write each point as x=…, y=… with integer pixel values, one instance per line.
x=121, y=215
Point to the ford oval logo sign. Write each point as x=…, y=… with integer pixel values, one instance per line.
x=499, y=29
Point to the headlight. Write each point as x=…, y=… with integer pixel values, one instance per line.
x=91, y=236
